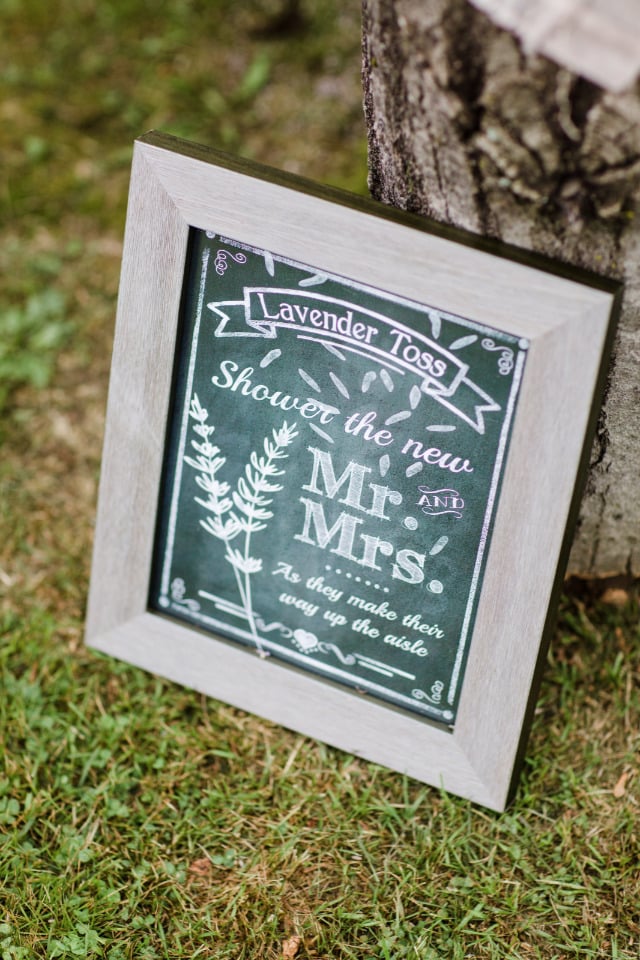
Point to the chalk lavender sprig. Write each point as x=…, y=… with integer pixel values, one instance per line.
x=249, y=498
x=208, y=462
x=252, y=499
x=243, y=510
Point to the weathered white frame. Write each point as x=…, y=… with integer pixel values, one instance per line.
x=174, y=186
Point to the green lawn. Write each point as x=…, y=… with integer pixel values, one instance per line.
x=139, y=819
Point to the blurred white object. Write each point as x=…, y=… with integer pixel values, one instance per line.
x=598, y=39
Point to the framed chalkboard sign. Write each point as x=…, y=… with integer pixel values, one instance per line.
x=342, y=455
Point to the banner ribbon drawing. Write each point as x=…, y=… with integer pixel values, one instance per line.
x=352, y=328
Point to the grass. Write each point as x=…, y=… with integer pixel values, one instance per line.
x=142, y=820
x=138, y=819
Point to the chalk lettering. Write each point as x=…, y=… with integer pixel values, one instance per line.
x=436, y=457
x=363, y=424
x=309, y=609
x=344, y=325
x=404, y=347
x=378, y=609
x=354, y=475
x=401, y=643
x=241, y=383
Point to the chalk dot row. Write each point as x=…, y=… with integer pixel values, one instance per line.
x=357, y=579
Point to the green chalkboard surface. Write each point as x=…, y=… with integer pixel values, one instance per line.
x=332, y=471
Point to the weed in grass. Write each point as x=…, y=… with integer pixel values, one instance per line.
x=30, y=337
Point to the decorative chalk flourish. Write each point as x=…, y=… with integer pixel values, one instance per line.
x=436, y=693
x=178, y=591
x=220, y=262
x=505, y=360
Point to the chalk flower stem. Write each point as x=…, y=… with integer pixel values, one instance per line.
x=251, y=501
x=243, y=510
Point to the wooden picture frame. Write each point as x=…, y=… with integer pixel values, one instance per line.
x=562, y=320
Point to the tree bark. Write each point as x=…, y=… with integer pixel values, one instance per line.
x=467, y=129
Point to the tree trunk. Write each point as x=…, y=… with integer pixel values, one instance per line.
x=467, y=129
